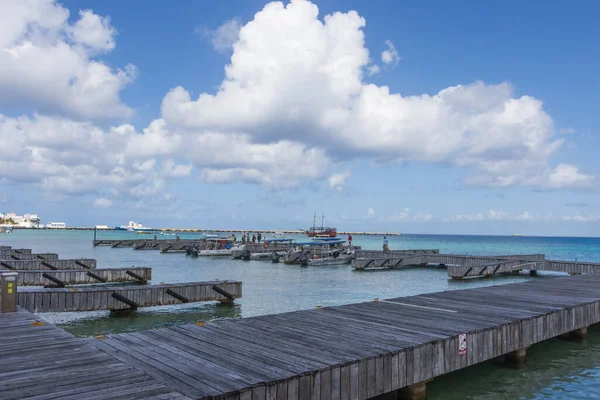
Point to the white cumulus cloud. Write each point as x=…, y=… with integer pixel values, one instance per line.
x=295, y=77
x=47, y=63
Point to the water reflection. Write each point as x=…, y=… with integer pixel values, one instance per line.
x=102, y=323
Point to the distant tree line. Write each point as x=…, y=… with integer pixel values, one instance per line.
x=7, y=221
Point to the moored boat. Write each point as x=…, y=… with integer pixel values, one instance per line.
x=218, y=247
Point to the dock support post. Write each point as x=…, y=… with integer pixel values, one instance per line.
x=516, y=359
x=418, y=391
x=579, y=334
x=533, y=272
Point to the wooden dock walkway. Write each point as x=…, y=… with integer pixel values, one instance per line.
x=29, y=256
x=32, y=265
x=179, y=244
x=83, y=276
x=394, y=260
x=9, y=251
x=39, y=360
x=359, y=351
x=117, y=298
x=182, y=246
x=463, y=266
x=392, y=253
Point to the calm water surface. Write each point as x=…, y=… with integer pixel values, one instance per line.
x=556, y=369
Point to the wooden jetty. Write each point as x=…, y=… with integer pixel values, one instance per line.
x=167, y=244
x=29, y=256
x=359, y=351
x=120, y=242
x=10, y=251
x=570, y=267
x=394, y=260
x=355, y=351
x=40, y=360
x=83, y=276
x=182, y=246
x=116, y=298
x=32, y=265
x=381, y=254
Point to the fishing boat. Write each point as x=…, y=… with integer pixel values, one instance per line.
x=299, y=251
x=336, y=258
x=4, y=229
x=211, y=235
x=143, y=232
x=269, y=250
x=218, y=247
x=168, y=233
x=322, y=231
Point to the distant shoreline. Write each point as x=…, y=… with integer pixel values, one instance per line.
x=194, y=230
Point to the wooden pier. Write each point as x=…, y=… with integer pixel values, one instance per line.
x=40, y=360
x=392, y=253
x=29, y=256
x=83, y=263
x=182, y=246
x=168, y=245
x=462, y=266
x=83, y=276
x=9, y=251
x=355, y=351
x=120, y=242
x=394, y=260
x=117, y=298
x=359, y=351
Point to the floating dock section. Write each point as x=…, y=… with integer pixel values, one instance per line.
x=394, y=260
x=83, y=263
x=125, y=297
x=83, y=276
x=9, y=251
x=29, y=256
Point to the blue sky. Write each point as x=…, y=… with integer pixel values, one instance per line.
x=489, y=124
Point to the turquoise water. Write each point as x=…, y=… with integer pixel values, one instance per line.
x=556, y=370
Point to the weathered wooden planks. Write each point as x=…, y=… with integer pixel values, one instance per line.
x=182, y=245
x=125, y=297
x=10, y=250
x=393, y=260
x=358, y=351
x=43, y=360
x=83, y=263
x=28, y=256
x=392, y=253
x=83, y=276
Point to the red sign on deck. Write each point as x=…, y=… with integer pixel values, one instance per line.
x=462, y=344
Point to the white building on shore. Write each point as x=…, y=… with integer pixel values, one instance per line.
x=11, y=219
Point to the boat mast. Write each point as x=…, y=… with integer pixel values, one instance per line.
x=315, y=221
x=323, y=221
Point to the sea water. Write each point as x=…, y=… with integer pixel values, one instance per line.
x=556, y=369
